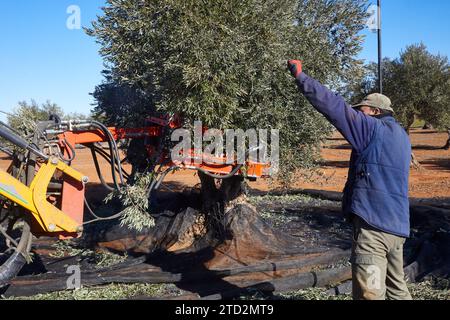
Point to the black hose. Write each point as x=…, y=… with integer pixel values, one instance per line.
x=17, y=260
x=90, y=210
x=113, y=157
x=107, y=157
x=97, y=218
x=115, y=150
x=98, y=169
x=72, y=151
x=163, y=176
x=11, y=268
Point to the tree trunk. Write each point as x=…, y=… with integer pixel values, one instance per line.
x=415, y=162
x=409, y=124
x=235, y=228
x=218, y=218
x=447, y=145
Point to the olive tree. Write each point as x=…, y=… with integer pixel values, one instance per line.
x=223, y=62
x=418, y=83
x=26, y=114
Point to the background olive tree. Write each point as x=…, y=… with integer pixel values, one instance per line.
x=418, y=84
x=224, y=62
x=25, y=115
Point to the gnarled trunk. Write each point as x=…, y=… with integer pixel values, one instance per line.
x=415, y=162
x=447, y=145
x=219, y=218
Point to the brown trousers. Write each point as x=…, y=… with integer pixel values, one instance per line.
x=377, y=264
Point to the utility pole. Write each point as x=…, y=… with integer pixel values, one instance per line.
x=380, y=52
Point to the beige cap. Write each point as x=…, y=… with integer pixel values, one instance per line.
x=376, y=100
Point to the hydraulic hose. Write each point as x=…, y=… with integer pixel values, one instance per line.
x=112, y=148
x=20, y=142
x=98, y=169
x=114, y=151
x=11, y=268
x=72, y=152
x=108, y=158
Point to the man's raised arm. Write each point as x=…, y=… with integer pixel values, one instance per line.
x=356, y=127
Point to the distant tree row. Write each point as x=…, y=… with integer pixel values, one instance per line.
x=418, y=84
x=26, y=114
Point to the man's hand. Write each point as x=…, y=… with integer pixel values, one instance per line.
x=295, y=67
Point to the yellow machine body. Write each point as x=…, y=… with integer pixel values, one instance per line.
x=34, y=198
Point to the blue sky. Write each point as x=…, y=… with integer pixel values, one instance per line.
x=40, y=58
x=405, y=22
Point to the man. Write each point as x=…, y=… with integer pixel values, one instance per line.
x=376, y=193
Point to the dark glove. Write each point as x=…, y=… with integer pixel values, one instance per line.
x=295, y=67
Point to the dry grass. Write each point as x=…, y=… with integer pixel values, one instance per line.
x=100, y=258
x=109, y=292
x=437, y=289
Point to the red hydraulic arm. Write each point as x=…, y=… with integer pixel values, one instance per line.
x=72, y=201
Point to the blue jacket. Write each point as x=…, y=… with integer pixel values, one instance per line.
x=377, y=185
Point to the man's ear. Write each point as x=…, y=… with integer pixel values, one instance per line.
x=377, y=111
